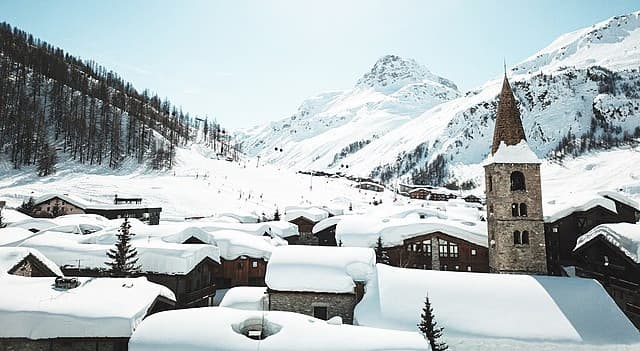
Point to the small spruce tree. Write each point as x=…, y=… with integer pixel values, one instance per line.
x=381, y=252
x=276, y=215
x=2, y=223
x=27, y=206
x=124, y=257
x=428, y=327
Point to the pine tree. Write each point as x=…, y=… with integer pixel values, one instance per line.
x=123, y=257
x=428, y=327
x=381, y=252
x=276, y=215
x=47, y=160
x=27, y=206
x=2, y=223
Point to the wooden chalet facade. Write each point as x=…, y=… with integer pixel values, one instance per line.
x=419, y=193
x=601, y=260
x=243, y=271
x=370, y=186
x=30, y=266
x=305, y=230
x=561, y=234
x=439, y=251
x=327, y=236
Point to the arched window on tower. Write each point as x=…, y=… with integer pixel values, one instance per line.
x=517, y=239
x=490, y=185
x=514, y=210
x=517, y=181
x=525, y=237
x=523, y=210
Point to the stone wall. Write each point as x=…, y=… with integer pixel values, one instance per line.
x=64, y=344
x=504, y=255
x=303, y=302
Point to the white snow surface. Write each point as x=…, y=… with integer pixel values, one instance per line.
x=100, y=307
x=10, y=215
x=314, y=214
x=319, y=268
x=252, y=298
x=625, y=236
x=566, y=204
x=519, y=153
x=11, y=256
x=214, y=328
x=473, y=306
x=12, y=236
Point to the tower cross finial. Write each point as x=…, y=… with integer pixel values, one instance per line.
x=505, y=65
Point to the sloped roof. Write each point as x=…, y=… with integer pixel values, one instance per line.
x=508, y=128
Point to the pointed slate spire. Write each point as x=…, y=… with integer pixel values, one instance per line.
x=508, y=123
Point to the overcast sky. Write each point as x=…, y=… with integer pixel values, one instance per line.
x=249, y=62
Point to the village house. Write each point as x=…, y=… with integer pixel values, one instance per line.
x=325, y=231
x=569, y=218
x=185, y=269
x=419, y=193
x=83, y=314
x=54, y=205
x=609, y=253
x=305, y=218
x=26, y=262
x=370, y=186
x=322, y=282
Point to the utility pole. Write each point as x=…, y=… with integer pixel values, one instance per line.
x=258, y=161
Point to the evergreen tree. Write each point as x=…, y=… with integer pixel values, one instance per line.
x=276, y=215
x=428, y=327
x=123, y=257
x=381, y=252
x=27, y=206
x=47, y=160
x=2, y=223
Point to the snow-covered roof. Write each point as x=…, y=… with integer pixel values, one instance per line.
x=625, y=236
x=33, y=223
x=218, y=328
x=364, y=230
x=10, y=216
x=12, y=236
x=239, y=216
x=326, y=223
x=252, y=298
x=480, y=305
x=314, y=214
x=12, y=256
x=519, y=153
x=82, y=204
x=560, y=207
x=232, y=243
x=74, y=200
x=100, y=307
x=319, y=268
x=155, y=255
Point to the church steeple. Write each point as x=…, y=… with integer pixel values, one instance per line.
x=508, y=123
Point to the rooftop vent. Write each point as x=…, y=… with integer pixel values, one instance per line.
x=66, y=283
x=256, y=328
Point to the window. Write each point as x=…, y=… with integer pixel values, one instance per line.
x=457, y=268
x=521, y=238
x=555, y=229
x=442, y=249
x=426, y=246
x=514, y=210
x=490, y=183
x=516, y=238
x=444, y=267
x=491, y=209
x=320, y=312
x=254, y=264
x=468, y=268
x=453, y=250
x=239, y=265
x=517, y=181
x=523, y=210
x=474, y=252
x=525, y=237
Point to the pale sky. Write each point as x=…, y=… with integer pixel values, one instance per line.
x=250, y=62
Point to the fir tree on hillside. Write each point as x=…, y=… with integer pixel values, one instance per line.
x=47, y=161
x=2, y=223
x=428, y=327
x=276, y=215
x=27, y=206
x=124, y=258
x=381, y=252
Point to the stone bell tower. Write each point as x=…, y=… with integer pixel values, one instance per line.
x=514, y=197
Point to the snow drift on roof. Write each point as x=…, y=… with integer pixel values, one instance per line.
x=519, y=153
x=318, y=268
x=100, y=307
x=11, y=256
x=481, y=305
x=314, y=214
x=10, y=216
x=252, y=298
x=625, y=236
x=33, y=223
x=578, y=202
x=13, y=236
x=212, y=328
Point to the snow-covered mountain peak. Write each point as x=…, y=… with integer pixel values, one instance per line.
x=613, y=44
x=391, y=73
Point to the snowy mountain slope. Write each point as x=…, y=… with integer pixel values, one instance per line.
x=392, y=93
x=584, y=85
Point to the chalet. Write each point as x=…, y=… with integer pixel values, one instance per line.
x=406, y=188
x=473, y=199
x=610, y=253
x=185, y=269
x=567, y=219
x=441, y=196
x=47, y=313
x=419, y=193
x=26, y=262
x=325, y=231
x=323, y=282
x=305, y=219
x=370, y=186
x=54, y=205
x=126, y=200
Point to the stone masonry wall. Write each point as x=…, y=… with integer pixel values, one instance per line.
x=303, y=302
x=504, y=255
x=64, y=344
